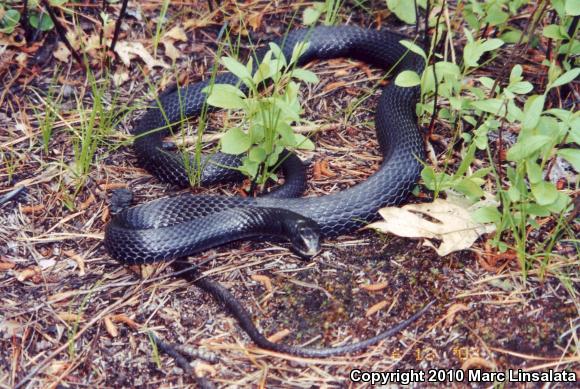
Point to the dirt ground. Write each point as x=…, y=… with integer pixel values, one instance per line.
x=70, y=316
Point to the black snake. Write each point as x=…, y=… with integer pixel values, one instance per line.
x=187, y=224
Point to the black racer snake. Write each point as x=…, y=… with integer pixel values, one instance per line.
x=187, y=224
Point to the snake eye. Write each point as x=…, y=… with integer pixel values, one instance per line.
x=305, y=238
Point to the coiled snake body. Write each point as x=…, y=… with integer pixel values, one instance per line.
x=186, y=224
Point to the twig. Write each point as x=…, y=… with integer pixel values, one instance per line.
x=62, y=34
x=25, y=24
x=180, y=360
x=118, y=24
x=435, y=99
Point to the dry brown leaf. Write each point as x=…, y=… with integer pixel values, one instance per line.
x=27, y=273
x=278, y=336
x=130, y=50
x=176, y=34
x=454, y=227
x=57, y=367
x=264, y=280
x=122, y=318
x=477, y=362
x=255, y=20
x=171, y=51
x=85, y=204
x=111, y=327
x=70, y=317
x=333, y=85
x=119, y=78
x=203, y=369
x=452, y=311
x=78, y=259
x=6, y=265
x=62, y=53
x=196, y=23
x=374, y=287
x=32, y=208
x=375, y=308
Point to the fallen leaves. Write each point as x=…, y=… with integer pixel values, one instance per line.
x=452, y=224
x=176, y=34
x=374, y=287
x=375, y=308
x=130, y=50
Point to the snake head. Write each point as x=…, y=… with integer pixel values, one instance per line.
x=304, y=234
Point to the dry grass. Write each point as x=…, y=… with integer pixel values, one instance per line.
x=71, y=316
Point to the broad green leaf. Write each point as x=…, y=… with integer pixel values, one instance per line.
x=225, y=96
x=532, y=111
x=572, y=7
x=303, y=142
x=514, y=194
x=235, y=141
x=407, y=78
x=495, y=16
x=572, y=156
x=257, y=134
x=512, y=36
x=415, y=48
x=403, y=9
x=471, y=54
x=9, y=21
x=305, y=75
x=553, y=31
x=257, y=154
x=287, y=134
x=487, y=82
x=487, y=215
x=527, y=146
x=474, y=50
x=43, y=22
x=516, y=74
x=470, y=188
x=238, y=69
x=299, y=49
x=263, y=72
x=493, y=106
x=534, y=172
x=310, y=16
x=250, y=168
x=565, y=78
x=544, y=192
x=491, y=44
x=520, y=88
x=560, y=204
x=536, y=210
x=277, y=51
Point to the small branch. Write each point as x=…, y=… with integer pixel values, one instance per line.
x=118, y=24
x=435, y=99
x=25, y=24
x=62, y=33
x=426, y=32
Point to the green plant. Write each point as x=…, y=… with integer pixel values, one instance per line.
x=265, y=129
x=405, y=9
x=329, y=8
x=483, y=107
x=37, y=17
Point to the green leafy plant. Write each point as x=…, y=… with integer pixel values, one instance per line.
x=266, y=126
x=329, y=8
x=37, y=17
x=480, y=108
x=405, y=9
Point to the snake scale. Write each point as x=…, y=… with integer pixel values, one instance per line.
x=187, y=224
